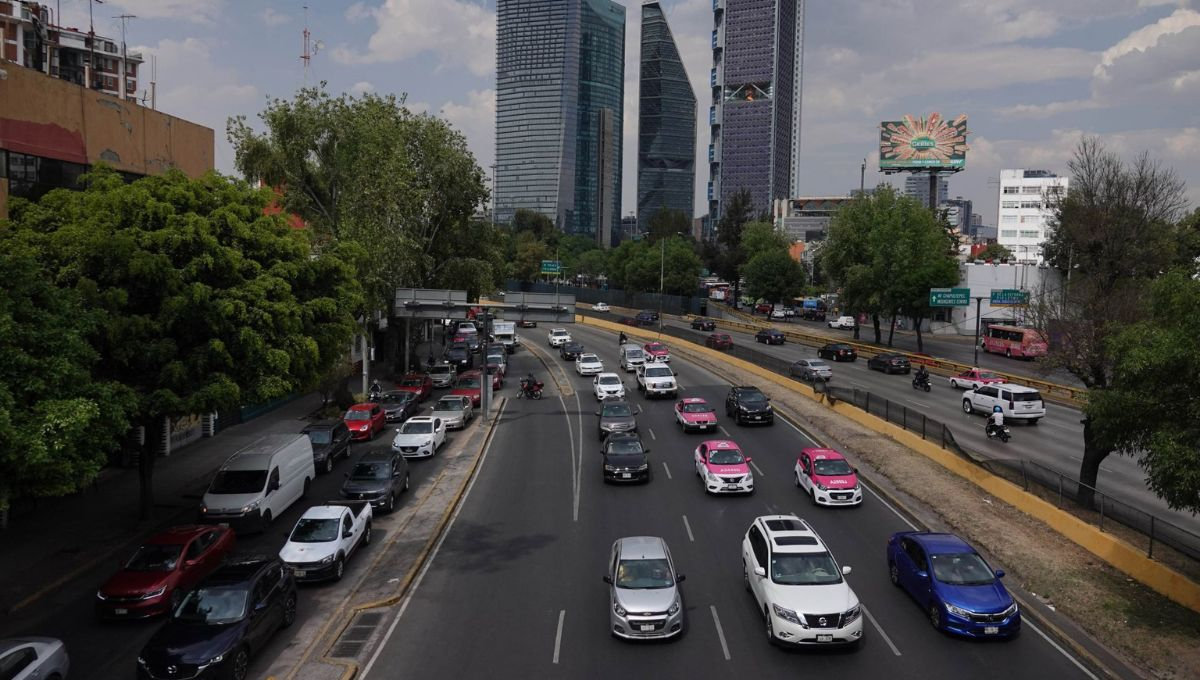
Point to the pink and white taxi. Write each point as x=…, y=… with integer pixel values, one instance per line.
x=693, y=413
x=723, y=468
x=827, y=478
x=657, y=351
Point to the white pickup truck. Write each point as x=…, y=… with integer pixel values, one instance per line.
x=505, y=333
x=656, y=379
x=325, y=537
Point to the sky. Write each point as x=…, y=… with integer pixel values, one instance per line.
x=1031, y=75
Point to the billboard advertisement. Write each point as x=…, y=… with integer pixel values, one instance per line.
x=923, y=143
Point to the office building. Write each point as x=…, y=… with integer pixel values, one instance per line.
x=754, y=117
x=1025, y=204
x=601, y=117
x=666, y=170
x=916, y=186
x=806, y=218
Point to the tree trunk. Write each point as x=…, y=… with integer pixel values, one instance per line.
x=146, y=459
x=856, y=327
x=878, y=333
x=892, y=328
x=916, y=319
x=1089, y=469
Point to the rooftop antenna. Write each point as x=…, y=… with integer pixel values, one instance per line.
x=124, y=54
x=310, y=48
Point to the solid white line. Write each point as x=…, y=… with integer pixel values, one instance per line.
x=571, y=440
x=724, y=431
x=879, y=628
x=667, y=469
x=432, y=557
x=889, y=507
x=1102, y=468
x=689, y=529
x=651, y=433
x=720, y=631
x=1025, y=622
x=558, y=636
x=579, y=465
x=756, y=469
x=917, y=403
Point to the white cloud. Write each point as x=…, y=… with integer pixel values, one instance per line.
x=476, y=119
x=359, y=11
x=272, y=18
x=196, y=11
x=1147, y=37
x=456, y=31
x=361, y=87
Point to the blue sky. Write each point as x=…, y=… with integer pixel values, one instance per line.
x=1032, y=75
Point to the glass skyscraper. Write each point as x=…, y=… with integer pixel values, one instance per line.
x=754, y=118
x=601, y=109
x=666, y=171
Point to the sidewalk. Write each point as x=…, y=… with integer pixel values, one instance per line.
x=63, y=537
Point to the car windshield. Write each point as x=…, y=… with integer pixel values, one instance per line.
x=238, y=481
x=644, y=574
x=633, y=353
x=985, y=375
x=439, y=370
x=655, y=347
x=412, y=382
x=609, y=380
x=471, y=382
x=726, y=457
x=397, y=397
x=835, y=467
x=449, y=405
x=155, y=558
x=373, y=470
x=616, y=411
x=961, y=569
x=625, y=447
x=358, y=415
x=696, y=408
x=315, y=531
x=214, y=605
x=804, y=569
x=658, y=372
x=817, y=363
x=320, y=436
x=416, y=427
x=588, y=359
x=752, y=398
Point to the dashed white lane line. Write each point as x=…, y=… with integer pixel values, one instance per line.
x=1102, y=468
x=889, y=506
x=689, y=529
x=667, y=470
x=1025, y=622
x=651, y=433
x=879, y=628
x=757, y=471
x=720, y=631
x=562, y=613
x=724, y=431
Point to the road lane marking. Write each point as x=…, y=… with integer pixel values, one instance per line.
x=574, y=475
x=1025, y=622
x=1060, y=426
x=917, y=403
x=689, y=529
x=720, y=631
x=879, y=628
x=667, y=470
x=651, y=431
x=724, y=431
x=756, y=469
x=892, y=508
x=558, y=636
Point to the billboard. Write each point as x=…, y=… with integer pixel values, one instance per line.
x=924, y=143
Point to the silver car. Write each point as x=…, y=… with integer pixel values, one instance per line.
x=811, y=369
x=644, y=597
x=442, y=374
x=455, y=410
x=33, y=657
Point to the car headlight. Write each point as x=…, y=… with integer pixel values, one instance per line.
x=743, y=408
x=153, y=594
x=618, y=609
x=1012, y=609
x=643, y=466
x=786, y=614
x=100, y=595
x=674, y=607
x=958, y=611
x=328, y=559
x=609, y=468
x=711, y=476
x=216, y=659
x=851, y=614
x=364, y=428
x=427, y=442
x=251, y=506
x=821, y=486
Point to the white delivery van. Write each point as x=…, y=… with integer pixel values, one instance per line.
x=505, y=333
x=256, y=484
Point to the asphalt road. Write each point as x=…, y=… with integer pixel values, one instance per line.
x=109, y=650
x=515, y=590
x=1055, y=442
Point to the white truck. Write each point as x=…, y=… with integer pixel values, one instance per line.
x=505, y=333
x=325, y=537
x=656, y=380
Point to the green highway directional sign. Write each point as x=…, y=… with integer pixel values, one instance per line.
x=551, y=266
x=1009, y=297
x=949, y=297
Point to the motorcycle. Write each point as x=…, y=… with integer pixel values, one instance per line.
x=997, y=432
x=374, y=392
x=530, y=390
x=921, y=384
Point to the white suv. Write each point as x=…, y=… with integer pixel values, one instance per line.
x=844, y=322
x=558, y=336
x=1017, y=401
x=656, y=380
x=798, y=586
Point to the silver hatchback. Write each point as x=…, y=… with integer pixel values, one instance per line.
x=644, y=597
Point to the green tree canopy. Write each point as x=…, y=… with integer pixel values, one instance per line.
x=773, y=275
x=637, y=265
x=995, y=252
x=761, y=237
x=666, y=223
x=527, y=255
x=539, y=225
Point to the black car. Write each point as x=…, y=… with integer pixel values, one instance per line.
x=645, y=318
x=330, y=441
x=569, y=351
x=398, y=405
x=459, y=355
x=616, y=415
x=747, y=404
x=378, y=477
x=650, y=313
x=889, y=362
x=625, y=459
x=222, y=622
x=702, y=324
x=838, y=351
x=770, y=336
x=525, y=323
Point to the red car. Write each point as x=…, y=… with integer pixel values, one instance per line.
x=365, y=421
x=719, y=341
x=657, y=351
x=420, y=383
x=468, y=384
x=163, y=570
x=762, y=308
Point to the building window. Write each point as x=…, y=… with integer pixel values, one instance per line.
x=1012, y=190
x=1009, y=219
x=1008, y=233
x=1031, y=204
x=1010, y=204
x=1030, y=233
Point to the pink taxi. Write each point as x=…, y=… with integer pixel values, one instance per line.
x=723, y=468
x=693, y=413
x=657, y=351
x=827, y=478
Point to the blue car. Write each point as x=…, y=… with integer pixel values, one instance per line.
x=955, y=587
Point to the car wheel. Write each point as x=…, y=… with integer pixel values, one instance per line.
x=894, y=574
x=406, y=480
x=339, y=568
x=391, y=502
x=366, y=539
x=241, y=663
x=967, y=408
x=770, y=625
x=935, y=616
x=745, y=576
x=266, y=518
x=954, y=383
x=289, y=611
x=328, y=464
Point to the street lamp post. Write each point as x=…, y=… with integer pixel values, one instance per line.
x=978, y=307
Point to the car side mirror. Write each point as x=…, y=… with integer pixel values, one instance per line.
x=347, y=533
x=646, y=451
x=922, y=574
x=680, y=578
x=760, y=572
x=749, y=459
x=260, y=607
x=597, y=413
x=845, y=570
x=999, y=573
x=607, y=579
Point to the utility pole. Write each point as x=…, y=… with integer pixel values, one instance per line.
x=662, y=268
x=862, y=179
x=91, y=68
x=978, y=316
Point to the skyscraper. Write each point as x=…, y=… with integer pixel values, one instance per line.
x=754, y=118
x=601, y=116
x=916, y=186
x=666, y=171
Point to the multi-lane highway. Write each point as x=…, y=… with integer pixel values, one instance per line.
x=514, y=588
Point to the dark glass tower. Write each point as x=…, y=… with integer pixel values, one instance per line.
x=601, y=108
x=666, y=172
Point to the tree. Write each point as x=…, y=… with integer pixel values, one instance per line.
x=914, y=253
x=1110, y=235
x=666, y=223
x=204, y=303
x=773, y=276
x=848, y=256
x=994, y=251
x=528, y=253
x=760, y=237
x=539, y=225
x=735, y=214
x=592, y=263
x=1149, y=407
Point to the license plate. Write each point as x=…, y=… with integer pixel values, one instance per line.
x=625, y=475
x=120, y=612
x=299, y=573
x=646, y=627
x=991, y=630
x=704, y=427
x=731, y=487
x=824, y=638
x=758, y=417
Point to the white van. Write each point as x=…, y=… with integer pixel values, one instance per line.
x=632, y=356
x=256, y=484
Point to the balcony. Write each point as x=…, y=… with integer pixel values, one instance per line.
x=718, y=39
x=714, y=114
x=714, y=152
x=718, y=5
x=710, y=191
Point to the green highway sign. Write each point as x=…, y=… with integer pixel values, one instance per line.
x=949, y=297
x=551, y=266
x=1009, y=297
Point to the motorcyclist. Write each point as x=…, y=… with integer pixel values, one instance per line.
x=376, y=388
x=995, y=422
x=922, y=376
x=528, y=383
x=622, y=339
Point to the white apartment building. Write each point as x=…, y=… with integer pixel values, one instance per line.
x=1024, y=210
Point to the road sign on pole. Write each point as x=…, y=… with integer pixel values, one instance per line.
x=949, y=297
x=1009, y=297
x=551, y=266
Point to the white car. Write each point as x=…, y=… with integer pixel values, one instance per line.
x=656, y=380
x=557, y=336
x=778, y=313
x=588, y=364
x=1017, y=401
x=34, y=657
x=843, y=322
x=600, y=307
x=419, y=437
x=608, y=386
x=797, y=585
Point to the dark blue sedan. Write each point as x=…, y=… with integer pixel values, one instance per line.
x=954, y=585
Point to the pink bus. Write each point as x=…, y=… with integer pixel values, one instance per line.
x=1014, y=341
